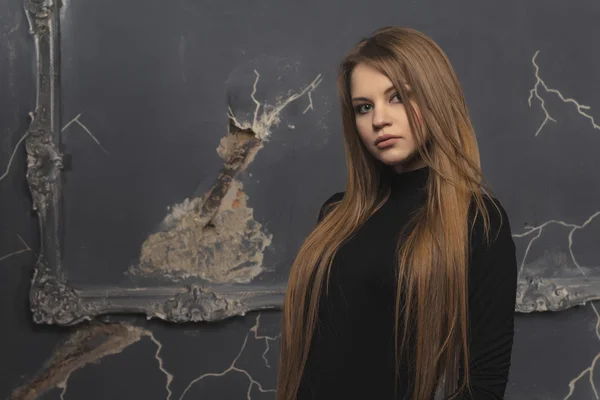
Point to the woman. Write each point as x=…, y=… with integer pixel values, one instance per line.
x=406, y=287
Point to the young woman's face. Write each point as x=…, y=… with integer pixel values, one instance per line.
x=381, y=119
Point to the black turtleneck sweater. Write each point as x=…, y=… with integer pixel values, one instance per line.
x=352, y=353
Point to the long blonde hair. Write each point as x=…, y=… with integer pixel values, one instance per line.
x=433, y=256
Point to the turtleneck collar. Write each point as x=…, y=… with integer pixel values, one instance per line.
x=409, y=180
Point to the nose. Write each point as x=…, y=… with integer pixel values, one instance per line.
x=381, y=117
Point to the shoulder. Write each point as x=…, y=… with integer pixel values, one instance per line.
x=499, y=230
x=331, y=201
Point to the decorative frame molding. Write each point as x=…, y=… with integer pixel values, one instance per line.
x=53, y=300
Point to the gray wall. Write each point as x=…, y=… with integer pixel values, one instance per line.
x=150, y=80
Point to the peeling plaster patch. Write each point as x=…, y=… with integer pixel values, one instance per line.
x=228, y=249
x=231, y=143
x=87, y=345
x=213, y=237
x=270, y=116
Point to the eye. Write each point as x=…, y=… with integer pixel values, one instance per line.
x=360, y=109
x=396, y=96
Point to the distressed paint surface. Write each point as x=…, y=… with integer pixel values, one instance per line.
x=219, y=243
x=534, y=112
x=87, y=345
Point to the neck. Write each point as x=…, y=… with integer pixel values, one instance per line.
x=414, y=178
x=410, y=166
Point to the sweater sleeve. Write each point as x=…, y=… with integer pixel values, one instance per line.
x=492, y=296
x=326, y=207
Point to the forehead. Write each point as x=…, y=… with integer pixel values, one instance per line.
x=366, y=80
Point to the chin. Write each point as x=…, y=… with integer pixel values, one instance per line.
x=393, y=157
x=393, y=163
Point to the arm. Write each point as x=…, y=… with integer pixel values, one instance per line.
x=325, y=208
x=492, y=295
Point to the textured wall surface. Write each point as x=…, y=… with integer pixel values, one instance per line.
x=144, y=95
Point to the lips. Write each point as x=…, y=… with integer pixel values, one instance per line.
x=385, y=137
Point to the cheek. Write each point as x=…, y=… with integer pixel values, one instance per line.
x=407, y=128
x=418, y=115
x=362, y=128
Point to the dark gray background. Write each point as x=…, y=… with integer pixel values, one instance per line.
x=151, y=80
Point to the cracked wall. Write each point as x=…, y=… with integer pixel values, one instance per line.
x=96, y=341
x=213, y=237
x=237, y=359
x=87, y=345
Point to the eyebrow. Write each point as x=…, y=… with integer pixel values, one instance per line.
x=367, y=99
